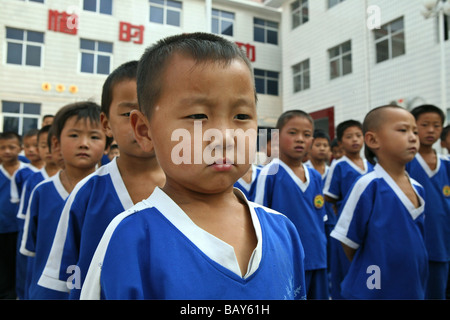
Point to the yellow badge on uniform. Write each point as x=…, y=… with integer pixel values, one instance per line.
x=319, y=201
x=446, y=191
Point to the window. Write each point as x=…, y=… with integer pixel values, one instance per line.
x=390, y=40
x=222, y=22
x=301, y=76
x=24, y=47
x=166, y=12
x=266, y=82
x=332, y=3
x=265, y=31
x=20, y=117
x=99, y=6
x=95, y=56
x=340, y=60
x=299, y=13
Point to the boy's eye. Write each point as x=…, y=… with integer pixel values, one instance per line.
x=242, y=117
x=198, y=116
x=126, y=114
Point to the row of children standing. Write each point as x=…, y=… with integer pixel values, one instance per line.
x=83, y=203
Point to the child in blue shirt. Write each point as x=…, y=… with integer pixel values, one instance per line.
x=10, y=147
x=340, y=178
x=50, y=168
x=433, y=172
x=288, y=186
x=381, y=224
x=112, y=189
x=197, y=237
x=78, y=135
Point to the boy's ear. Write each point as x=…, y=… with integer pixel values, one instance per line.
x=371, y=140
x=140, y=125
x=105, y=125
x=55, y=143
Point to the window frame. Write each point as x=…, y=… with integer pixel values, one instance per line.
x=300, y=11
x=389, y=36
x=266, y=78
x=334, y=4
x=266, y=28
x=165, y=7
x=96, y=53
x=303, y=69
x=97, y=8
x=21, y=115
x=340, y=59
x=222, y=19
x=24, y=42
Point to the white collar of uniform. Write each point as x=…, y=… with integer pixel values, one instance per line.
x=119, y=185
x=59, y=186
x=302, y=185
x=6, y=173
x=425, y=166
x=414, y=212
x=354, y=166
x=216, y=249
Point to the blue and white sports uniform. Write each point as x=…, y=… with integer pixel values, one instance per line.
x=248, y=189
x=280, y=189
x=437, y=219
x=44, y=209
x=342, y=175
x=386, y=229
x=155, y=251
x=8, y=210
x=23, y=268
x=91, y=206
x=19, y=179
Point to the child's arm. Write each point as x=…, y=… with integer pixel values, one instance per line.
x=331, y=189
x=357, y=208
x=349, y=252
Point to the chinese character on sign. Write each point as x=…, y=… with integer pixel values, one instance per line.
x=127, y=31
x=248, y=49
x=62, y=22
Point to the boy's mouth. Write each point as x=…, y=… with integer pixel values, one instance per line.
x=222, y=165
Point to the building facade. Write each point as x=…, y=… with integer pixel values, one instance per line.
x=336, y=59
x=55, y=52
x=342, y=58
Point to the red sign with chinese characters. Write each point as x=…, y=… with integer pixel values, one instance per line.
x=62, y=22
x=127, y=32
x=248, y=49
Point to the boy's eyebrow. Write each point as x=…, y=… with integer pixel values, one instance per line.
x=128, y=104
x=89, y=130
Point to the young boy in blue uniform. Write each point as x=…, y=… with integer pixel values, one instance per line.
x=341, y=176
x=50, y=168
x=77, y=133
x=10, y=147
x=382, y=220
x=288, y=186
x=112, y=189
x=197, y=237
x=433, y=172
x=30, y=147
